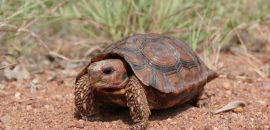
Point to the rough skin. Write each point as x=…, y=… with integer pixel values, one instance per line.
x=84, y=97
x=135, y=96
x=137, y=103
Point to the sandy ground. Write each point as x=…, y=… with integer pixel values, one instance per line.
x=51, y=106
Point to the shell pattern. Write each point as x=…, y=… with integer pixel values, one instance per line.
x=162, y=62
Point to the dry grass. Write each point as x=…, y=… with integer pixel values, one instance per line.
x=35, y=27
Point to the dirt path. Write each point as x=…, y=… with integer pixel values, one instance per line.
x=51, y=105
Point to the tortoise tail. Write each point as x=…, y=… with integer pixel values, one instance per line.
x=212, y=75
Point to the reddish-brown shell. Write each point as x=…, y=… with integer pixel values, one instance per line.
x=162, y=62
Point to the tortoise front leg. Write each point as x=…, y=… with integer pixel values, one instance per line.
x=84, y=97
x=137, y=103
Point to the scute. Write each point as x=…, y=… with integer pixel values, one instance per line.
x=173, y=79
x=132, y=58
x=158, y=54
x=161, y=62
x=133, y=43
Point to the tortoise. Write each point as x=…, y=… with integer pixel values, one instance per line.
x=142, y=72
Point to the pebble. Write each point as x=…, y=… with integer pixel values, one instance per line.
x=76, y=125
x=47, y=106
x=208, y=127
x=15, y=108
x=226, y=85
x=266, y=127
x=34, y=85
x=18, y=95
x=248, y=80
x=5, y=119
x=169, y=119
x=28, y=107
x=238, y=110
x=59, y=97
x=2, y=86
x=224, y=128
x=81, y=120
x=52, y=78
x=231, y=76
x=35, y=81
x=229, y=92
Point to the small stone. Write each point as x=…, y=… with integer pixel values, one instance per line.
x=76, y=125
x=34, y=85
x=5, y=119
x=224, y=128
x=231, y=76
x=35, y=81
x=47, y=106
x=238, y=110
x=169, y=119
x=18, y=95
x=226, y=85
x=81, y=121
x=266, y=127
x=208, y=127
x=52, y=78
x=28, y=107
x=79, y=125
x=248, y=80
x=228, y=92
x=59, y=97
x=16, y=108
x=19, y=72
x=2, y=86
x=173, y=122
x=261, y=102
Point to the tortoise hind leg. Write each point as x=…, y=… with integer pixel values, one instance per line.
x=200, y=100
x=137, y=103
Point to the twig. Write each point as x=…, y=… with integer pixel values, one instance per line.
x=9, y=66
x=54, y=54
x=245, y=48
x=247, y=54
x=43, y=44
x=7, y=30
x=178, y=12
x=225, y=39
x=59, y=5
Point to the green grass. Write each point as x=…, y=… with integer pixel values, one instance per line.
x=196, y=21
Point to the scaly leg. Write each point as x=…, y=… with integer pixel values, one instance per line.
x=84, y=97
x=137, y=103
x=200, y=100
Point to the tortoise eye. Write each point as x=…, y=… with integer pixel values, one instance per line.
x=108, y=70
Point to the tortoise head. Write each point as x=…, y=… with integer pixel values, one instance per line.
x=108, y=73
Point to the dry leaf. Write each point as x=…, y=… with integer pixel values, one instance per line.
x=230, y=106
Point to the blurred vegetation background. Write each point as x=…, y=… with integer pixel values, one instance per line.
x=31, y=30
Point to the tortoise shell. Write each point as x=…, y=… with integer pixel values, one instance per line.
x=163, y=62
